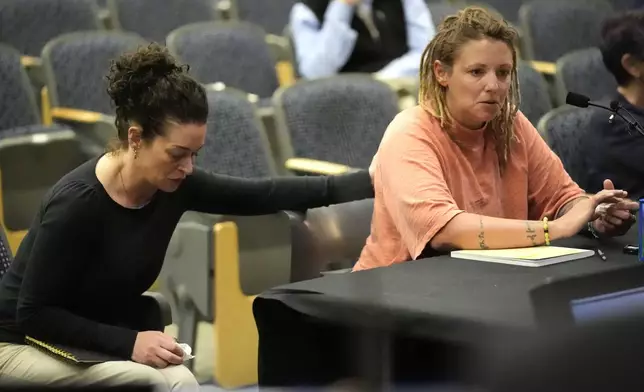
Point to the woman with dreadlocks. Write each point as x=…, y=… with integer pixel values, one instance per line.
x=465, y=169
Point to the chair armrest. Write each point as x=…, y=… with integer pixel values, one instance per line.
x=97, y=128
x=106, y=18
x=544, y=67
x=281, y=52
x=164, y=306
x=313, y=166
x=279, y=47
x=34, y=69
x=285, y=73
x=76, y=115
x=402, y=86
x=235, y=332
x=30, y=61
x=224, y=9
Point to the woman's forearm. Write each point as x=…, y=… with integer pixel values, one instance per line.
x=569, y=205
x=472, y=231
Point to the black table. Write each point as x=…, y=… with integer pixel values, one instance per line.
x=310, y=332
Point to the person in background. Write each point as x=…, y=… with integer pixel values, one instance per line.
x=386, y=37
x=466, y=169
x=100, y=238
x=611, y=148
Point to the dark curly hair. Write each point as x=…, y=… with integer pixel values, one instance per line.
x=149, y=88
x=621, y=34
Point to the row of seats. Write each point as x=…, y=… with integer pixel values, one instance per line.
x=29, y=25
x=339, y=119
x=236, y=54
x=238, y=143
x=511, y=9
x=67, y=57
x=549, y=29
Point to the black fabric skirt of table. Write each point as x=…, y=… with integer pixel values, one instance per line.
x=441, y=316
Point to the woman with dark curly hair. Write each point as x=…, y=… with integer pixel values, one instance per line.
x=99, y=240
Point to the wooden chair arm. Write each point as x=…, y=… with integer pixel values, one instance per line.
x=544, y=67
x=313, y=166
x=77, y=115
x=30, y=61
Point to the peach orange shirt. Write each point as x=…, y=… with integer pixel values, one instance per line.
x=422, y=179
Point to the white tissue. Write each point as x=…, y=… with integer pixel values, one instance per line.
x=187, y=351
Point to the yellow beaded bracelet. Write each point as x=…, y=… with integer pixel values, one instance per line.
x=546, y=234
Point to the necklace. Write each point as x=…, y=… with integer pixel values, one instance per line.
x=127, y=194
x=123, y=184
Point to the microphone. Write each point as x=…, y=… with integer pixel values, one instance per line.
x=583, y=101
x=578, y=100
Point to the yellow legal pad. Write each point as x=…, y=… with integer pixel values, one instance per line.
x=75, y=355
x=538, y=256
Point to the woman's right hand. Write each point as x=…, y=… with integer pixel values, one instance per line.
x=156, y=349
x=576, y=219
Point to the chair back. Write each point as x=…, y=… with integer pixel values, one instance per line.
x=233, y=53
x=288, y=34
x=5, y=253
x=46, y=156
x=553, y=28
x=76, y=65
x=509, y=9
x=272, y=16
x=236, y=143
x=535, y=97
x=583, y=71
x=564, y=129
x=340, y=119
x=154, y=21
x=440, y=10
x=29, y=25
x=18, y=106
x=329, y=238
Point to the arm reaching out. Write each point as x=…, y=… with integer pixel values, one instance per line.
x=220, y=194
x=471, y=231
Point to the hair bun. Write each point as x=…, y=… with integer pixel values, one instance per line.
x=134, y=73
x=154, y=61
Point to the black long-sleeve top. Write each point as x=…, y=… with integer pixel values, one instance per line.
x=613, y=151
x=79, y=273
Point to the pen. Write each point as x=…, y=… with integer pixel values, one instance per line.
x=601, y=254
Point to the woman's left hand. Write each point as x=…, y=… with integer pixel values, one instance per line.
x=614, y=219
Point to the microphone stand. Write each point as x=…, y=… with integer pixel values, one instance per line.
x=632, y=124
x=616, y=108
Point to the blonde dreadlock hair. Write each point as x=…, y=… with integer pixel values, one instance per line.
x=471, y=23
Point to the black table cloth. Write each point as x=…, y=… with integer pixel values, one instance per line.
x=437, y=311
